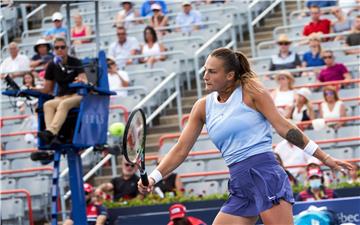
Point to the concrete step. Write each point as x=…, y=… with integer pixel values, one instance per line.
x=168, y=128
x=169, y=119
x=189, y=100
x=153, y=138
x=185, y=110
x=101, y=180
x=193, y=92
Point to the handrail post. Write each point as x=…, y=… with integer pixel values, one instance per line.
x=283, y=12
x=62, y=198
x=178, y=100
x=298, y=4
x=197, y=78
x=24, y=19
x=113, y=166
x=251, y=33
x=68, y=24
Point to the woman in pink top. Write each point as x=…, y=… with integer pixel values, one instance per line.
x=333, y=71
x=80, y=30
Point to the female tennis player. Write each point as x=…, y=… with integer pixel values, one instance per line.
x=238, y=114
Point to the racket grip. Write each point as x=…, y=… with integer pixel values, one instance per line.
x=144, y=179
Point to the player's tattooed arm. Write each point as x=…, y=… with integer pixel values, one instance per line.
x=295, y=137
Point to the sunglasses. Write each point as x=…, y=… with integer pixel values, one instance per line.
x=110, y=64
x=330, y=93
x=120, y=34
x=283, y=43
x=282, y=78
x=129, y=165
x=60, y=47
x=327, y=57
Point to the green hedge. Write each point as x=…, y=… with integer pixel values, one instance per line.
x=153, y=199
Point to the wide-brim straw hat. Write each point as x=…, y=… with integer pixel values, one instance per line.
x=283, y=38
x=285, y=73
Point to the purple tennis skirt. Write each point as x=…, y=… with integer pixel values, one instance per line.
x=256, y=184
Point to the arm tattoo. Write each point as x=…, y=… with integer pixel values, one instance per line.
x=295, y=137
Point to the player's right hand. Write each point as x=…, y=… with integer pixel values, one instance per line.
x=146, y=189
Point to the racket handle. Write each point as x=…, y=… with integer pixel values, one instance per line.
x=144, y=178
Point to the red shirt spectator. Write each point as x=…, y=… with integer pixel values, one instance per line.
x=317, y=24
x=322, y=26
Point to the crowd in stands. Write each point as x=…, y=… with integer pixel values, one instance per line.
x=294, y=104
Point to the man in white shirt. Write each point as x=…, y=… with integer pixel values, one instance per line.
x=117, y=78
x=16, y=63
x=292, y=155
x=123, y=48
x=188, y=17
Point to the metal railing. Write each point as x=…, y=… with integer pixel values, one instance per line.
x=26, y=17
x=204, y=47
x=252, y=23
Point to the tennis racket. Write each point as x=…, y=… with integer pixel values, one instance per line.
x=134, y=142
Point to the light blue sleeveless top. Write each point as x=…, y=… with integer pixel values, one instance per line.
x=237, y=130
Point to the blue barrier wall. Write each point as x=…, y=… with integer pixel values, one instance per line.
x=347, y=209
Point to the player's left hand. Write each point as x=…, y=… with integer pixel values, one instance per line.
x=338, y=165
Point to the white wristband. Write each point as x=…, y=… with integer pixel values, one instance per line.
x=156, y=175
x=310, y=148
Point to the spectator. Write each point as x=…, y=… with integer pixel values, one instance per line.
x=354, y=174
x=28, y=83
x=333, y=71
x=126, y=16
x=285, y=59
x=146, y=7
x=317, y=24
x=96, y=213
x=152, y=48
x=313, y=57
x=188, y=19
x=80, y=30
x=58, y=29
x=320, y=3
x=117, y=78
x=123, y=48
x=284, y=94
x=158, y=20
x=16, y=63
x=342, y=23
x=171, y=183
x=178, y=216
x=43, y=54
x=316, y=189
x=57, y=72
x=332, y=107
x=125, y=186
x=354, y=38
x=302, y=110
x=292, y=179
